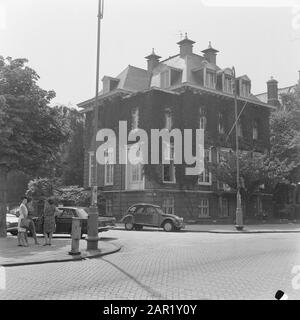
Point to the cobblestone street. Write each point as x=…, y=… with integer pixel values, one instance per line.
x=160, y=265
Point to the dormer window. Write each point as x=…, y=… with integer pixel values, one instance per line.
x=176, y=77
x=135, y=118
x=165, y=79
x=227, y=85
x=245, y=88
x=210, y=79
x=110, y=84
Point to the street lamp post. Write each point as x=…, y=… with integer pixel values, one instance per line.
x=239, y=212
x=92, y=239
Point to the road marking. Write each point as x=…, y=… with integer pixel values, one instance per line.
x=2, y=278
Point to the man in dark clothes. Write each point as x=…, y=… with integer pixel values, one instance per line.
x=31, y=223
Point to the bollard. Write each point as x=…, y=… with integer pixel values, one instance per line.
x=76, y=235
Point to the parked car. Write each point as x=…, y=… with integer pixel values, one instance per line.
x=64, y=220
x=144, y=214
x=12, y=223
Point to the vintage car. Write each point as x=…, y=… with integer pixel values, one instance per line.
x=64, y=220
x=144, y=214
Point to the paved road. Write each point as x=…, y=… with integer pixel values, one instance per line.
x=159, y=265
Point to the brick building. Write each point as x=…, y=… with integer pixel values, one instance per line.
x=186, y=90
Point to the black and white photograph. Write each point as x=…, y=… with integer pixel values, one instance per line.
x=149, y=154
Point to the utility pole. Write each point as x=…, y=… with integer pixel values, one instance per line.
x=92, y=239
x=239, y=212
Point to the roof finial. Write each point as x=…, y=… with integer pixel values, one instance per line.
x=153, y=51
x=186, y=35
x=209, y=44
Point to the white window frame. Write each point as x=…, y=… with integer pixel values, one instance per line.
x=108, y=169
x=208, y=83
x=245, y=88
x=203, y=205
x=169, y=156
x=129, y=183
x=207, y=183
x=91, y=167
x=168, y=205
x=227, y=84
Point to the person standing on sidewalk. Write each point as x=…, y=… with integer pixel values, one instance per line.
x=31, y=222
x=22, y=231
x=50, y=212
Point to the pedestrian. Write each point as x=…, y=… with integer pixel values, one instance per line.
x=50, y=212
x=22, y=222
x=31, y=222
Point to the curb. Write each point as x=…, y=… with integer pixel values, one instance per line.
x=78, y=258
x=227, y=232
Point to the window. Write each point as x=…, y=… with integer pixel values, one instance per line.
x=222, y=155
x=134, y=175
x=168, y=206
x=255, y=130
x=202, y=123
x=221, y=123
x=108, y=207
x=165, y=79
x=225, y=208
x=202, y=119
x=203, y=208
x=168, y=119
x=169, y=169
x=227, y=84
x=135, y=118
x=205, y=176
x=245, y=88
x=108, y=168
x=210, y=81
x=91, y=167
x=240, y=128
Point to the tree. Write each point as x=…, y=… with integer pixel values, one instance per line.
x=69, y=168
x=254, y=172
x=31, y=132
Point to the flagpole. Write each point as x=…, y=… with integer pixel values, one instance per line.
x=239, y=212
x=92, y=239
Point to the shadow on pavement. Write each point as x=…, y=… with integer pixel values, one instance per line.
x=151, y=291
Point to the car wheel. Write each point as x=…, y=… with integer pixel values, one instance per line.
x=168, y=226
x=129, y=226
x=138, y=227
x=14, y=233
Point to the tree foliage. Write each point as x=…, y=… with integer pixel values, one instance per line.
x=31, y=132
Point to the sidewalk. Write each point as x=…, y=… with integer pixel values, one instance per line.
x=227, y=228
x=12, y=255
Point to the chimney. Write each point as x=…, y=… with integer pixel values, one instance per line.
x=210, y=54
x=152, y=61
x=272, y=92
x=186, y=46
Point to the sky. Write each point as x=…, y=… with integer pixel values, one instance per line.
x=58, y=37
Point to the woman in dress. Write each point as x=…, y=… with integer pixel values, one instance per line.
x=50, y=211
